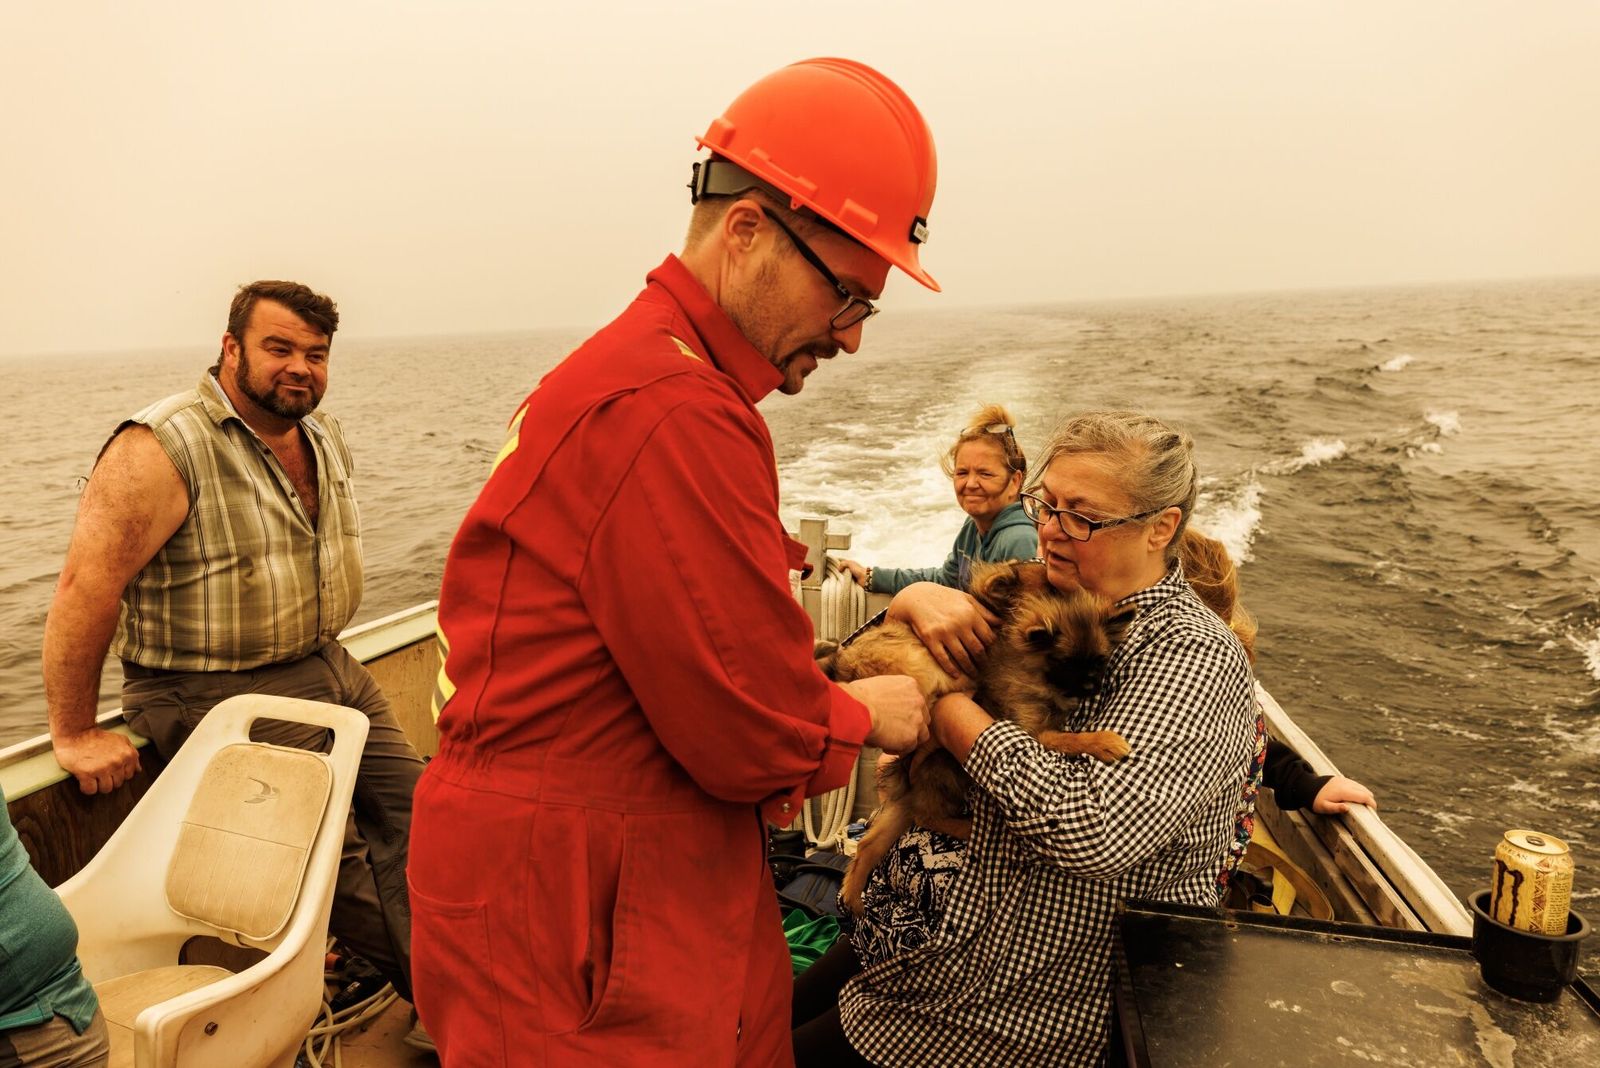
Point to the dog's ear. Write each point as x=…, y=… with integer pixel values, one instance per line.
x=995, y=586
x=1032, y=626
x=827, y=657
x=1118, y=622
x=1031, y=575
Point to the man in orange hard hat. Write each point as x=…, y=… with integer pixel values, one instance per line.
x=628, y=691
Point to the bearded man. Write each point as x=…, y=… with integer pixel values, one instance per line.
x=628, y=690
x=217, y=551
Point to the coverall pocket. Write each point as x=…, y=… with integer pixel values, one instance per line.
x=574, y=918
x=451, y=939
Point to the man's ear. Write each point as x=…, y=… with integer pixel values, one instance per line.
x=230, y=349
x=740, y=229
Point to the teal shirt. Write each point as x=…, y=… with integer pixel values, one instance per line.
x=1010, y=537
x=39, y=972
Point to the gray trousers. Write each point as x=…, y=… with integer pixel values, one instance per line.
x=371, y=906
x=54, y=1044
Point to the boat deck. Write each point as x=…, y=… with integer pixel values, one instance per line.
x=382, y=1044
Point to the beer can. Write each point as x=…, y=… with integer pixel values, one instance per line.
x=1532, y=882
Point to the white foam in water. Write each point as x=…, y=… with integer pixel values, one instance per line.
x=1450, y=823
x=1313, y=453
x=1231, y=515
x=1448, y=424
x=1396, y=363
x=1590, y=650
x=895, y=501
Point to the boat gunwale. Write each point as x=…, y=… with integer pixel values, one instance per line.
x=29, y=766
x=1435, y=904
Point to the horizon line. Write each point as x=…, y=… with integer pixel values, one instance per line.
x=1011, y=305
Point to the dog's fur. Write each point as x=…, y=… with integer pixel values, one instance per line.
x=1047, y=657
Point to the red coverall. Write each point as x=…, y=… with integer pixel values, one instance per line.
x=628, y=688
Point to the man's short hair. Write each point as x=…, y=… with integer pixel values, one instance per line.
x=319, y=312
x=708, y=212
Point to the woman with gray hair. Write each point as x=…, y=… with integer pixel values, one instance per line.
x=1019, y=970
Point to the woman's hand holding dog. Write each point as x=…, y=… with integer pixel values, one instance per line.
x=953, y=626
x=899, y=714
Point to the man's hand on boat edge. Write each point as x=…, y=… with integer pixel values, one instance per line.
x=100, y=760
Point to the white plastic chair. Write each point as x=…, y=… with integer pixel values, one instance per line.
x=236, y=840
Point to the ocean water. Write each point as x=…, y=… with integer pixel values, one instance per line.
x=1409, y=476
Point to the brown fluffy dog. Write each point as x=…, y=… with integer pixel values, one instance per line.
x=1046, y=658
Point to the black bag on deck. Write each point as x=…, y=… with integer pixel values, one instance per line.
x=810, y=884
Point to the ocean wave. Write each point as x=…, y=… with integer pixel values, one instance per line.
x=1453, y=824
x=1386, y=572
x=1448, y=424
x=1456, y=732
x=1343, y=382
x=1231, y=515
x=1313, y=453
x=1422, y=439
x=1397, y=363
x=1589, y=648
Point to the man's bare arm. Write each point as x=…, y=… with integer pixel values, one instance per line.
x=134, y=502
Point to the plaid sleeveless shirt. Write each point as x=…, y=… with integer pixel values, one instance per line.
x=247, y=579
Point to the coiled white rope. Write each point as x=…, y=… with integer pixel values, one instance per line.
x=826, y=818
x=844, y=604
x=322, y=1047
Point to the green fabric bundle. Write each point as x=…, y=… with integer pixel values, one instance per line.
x=808, y=938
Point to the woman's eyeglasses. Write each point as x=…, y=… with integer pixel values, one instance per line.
x=1075, y=526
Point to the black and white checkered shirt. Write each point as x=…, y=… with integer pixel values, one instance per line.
x=1019, y=972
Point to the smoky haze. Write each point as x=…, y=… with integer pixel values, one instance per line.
x=450, y=167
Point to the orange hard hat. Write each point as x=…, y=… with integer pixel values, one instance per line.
x=838, y=138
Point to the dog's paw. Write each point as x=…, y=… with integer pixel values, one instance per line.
x=1106, y=746
x=826, y=655
x=855, y=881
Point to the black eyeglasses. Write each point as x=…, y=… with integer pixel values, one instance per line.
x=1075, y=526
x=856, y=309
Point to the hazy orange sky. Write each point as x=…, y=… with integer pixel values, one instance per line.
x=445, y=166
